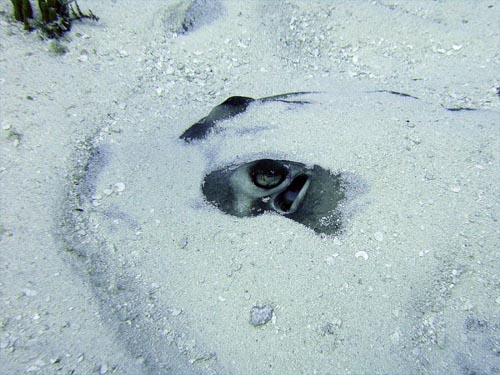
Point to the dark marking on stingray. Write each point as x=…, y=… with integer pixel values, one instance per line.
x=396, y=93
x=229, y=108
x=308, y=195
x=458, y=109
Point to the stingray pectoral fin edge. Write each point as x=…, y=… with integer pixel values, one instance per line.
x=198, y=130
x=231, y=107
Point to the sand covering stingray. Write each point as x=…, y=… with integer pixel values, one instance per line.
x=177, y=277
x=308, y=195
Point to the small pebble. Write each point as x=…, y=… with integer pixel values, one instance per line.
x=328, y=329
x=361, y=254
x=331, y=327
x=455, y=188
x=260, y=315
x=119, y=187
x=183, y=243
x=104, y=369
x=379, y=236
x=175, y=312
x=29, y=292
x=107, y=192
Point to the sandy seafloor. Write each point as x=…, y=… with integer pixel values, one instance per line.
x=112, y=262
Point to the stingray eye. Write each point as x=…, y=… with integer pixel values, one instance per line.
x=268, y=174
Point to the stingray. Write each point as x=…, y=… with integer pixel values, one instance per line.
x=308, y=195
x=229, y=108
x=161, y=264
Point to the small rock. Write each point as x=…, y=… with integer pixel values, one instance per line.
x=361, y=254
x=429, y=176
x=260, y=314
x=183, y=243
x=119, y=187
x=332, y=327
x=107, y=192
x=104, y=369
x=29, y=292
x=97, y=197
x=328, y=329
x=455, y=188
x=175, y=312
x=379, y=236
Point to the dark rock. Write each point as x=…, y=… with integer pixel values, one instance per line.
x=261, y=314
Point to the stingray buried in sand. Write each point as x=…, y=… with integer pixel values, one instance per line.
x=311, y=196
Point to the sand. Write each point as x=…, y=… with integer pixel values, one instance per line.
x=113, y=262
